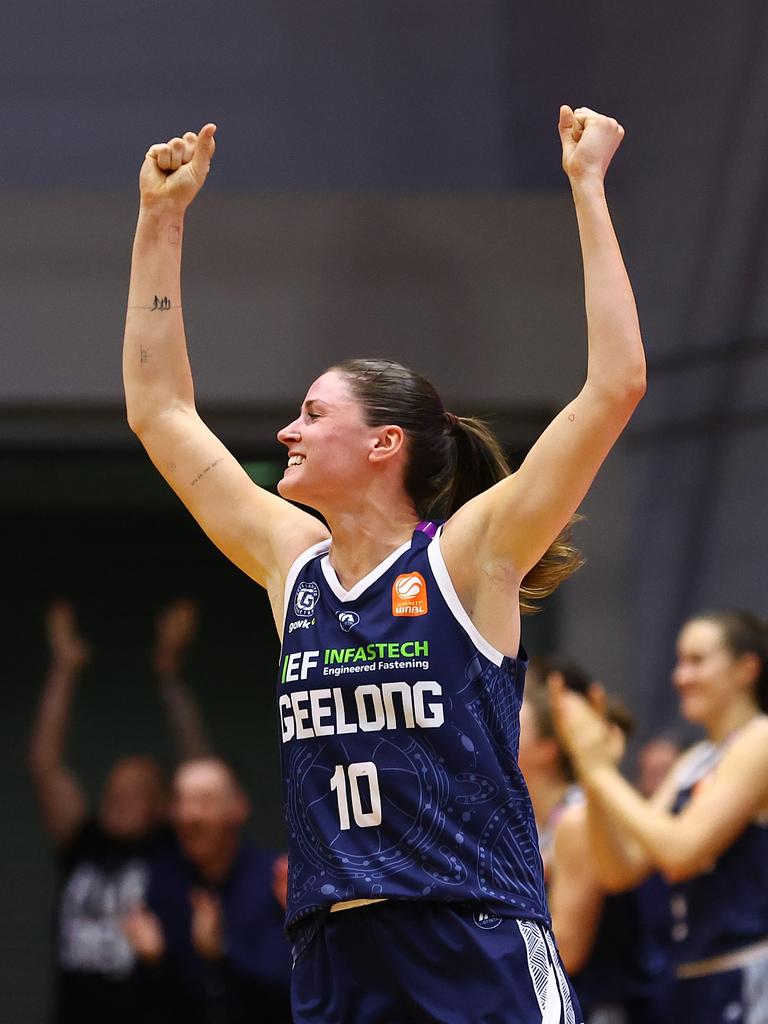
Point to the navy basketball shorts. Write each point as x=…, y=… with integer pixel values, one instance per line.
x=402, y=962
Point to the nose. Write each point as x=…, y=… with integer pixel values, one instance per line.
x=289, y=433
x=680, y=673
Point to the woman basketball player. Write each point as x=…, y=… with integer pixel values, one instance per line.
x=706, y=827
x=415, y=890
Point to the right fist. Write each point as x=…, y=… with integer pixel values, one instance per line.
x=176, y=170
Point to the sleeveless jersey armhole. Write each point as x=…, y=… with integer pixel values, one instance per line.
x=296, y=567
x=451, y=598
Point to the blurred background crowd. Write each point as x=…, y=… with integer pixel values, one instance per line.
x=387, y=182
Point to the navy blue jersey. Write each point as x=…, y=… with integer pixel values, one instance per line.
x=726, y=907
x=399, y=735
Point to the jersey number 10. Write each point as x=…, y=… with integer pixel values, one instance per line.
x=349, y=779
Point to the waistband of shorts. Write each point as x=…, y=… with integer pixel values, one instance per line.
x=351, y=904
x=725, y=962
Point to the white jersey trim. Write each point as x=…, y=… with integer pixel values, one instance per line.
x=296, y=567
x=451, y=598
x=359, y=588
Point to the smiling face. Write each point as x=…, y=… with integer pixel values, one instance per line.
x=330, y=446
x=208, y=809
x=707, y=675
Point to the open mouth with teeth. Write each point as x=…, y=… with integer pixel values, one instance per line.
x=296, y=460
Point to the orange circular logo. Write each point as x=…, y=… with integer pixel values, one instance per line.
x=409, y=587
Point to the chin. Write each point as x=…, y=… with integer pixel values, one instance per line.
x=693, y=712
x=292, y=490
x=289, y=487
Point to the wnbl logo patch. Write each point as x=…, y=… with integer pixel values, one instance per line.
x=409, y=595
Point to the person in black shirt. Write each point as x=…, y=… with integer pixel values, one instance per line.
x=103, y=857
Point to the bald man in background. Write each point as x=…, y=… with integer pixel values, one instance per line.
x=212, y=927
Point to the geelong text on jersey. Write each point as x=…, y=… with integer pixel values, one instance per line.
x=305, y=714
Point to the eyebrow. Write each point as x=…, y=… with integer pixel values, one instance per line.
x=312, y=402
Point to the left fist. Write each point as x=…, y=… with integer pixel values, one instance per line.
x=589, y=141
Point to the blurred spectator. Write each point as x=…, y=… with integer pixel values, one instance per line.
x=212, y=927
x=103, y=857
x=609, y=944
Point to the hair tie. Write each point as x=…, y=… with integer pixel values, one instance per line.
x=452, y=421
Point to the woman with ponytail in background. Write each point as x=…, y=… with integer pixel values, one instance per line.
x=706, y=827
x=415, y=888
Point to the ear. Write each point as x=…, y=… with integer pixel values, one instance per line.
x=749, y=665
x=388, y=442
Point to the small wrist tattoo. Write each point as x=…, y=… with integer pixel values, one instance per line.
x=162, y=303
x=144, y=355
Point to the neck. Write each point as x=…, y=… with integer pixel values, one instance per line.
x=547, y=793
x=730, y=720
x=215, y=866
x=363, y=537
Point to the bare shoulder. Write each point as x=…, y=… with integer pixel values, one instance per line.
x=750, y=747
x=296, y=536
x=486, y=583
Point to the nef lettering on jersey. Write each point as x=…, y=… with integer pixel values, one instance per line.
x=409, y=595
x=372, y=707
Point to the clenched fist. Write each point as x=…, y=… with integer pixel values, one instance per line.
x=175, y=171
x=589, y=141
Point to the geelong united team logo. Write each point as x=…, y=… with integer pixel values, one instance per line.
x=347, y=620
x=306, y=598
x=409, y=594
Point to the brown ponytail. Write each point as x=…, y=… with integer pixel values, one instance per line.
x=450, y=458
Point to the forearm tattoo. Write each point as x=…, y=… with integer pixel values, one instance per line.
x=206, y=470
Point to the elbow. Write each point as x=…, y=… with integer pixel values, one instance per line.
x=615, y=884
x=622, y=395
x=138, y=421
x=636, y=387
x=38, y=764
x=677, y=871
x=134, y=422
x=574, y=956
x=681, y=865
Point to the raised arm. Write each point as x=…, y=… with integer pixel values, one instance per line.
x=63, y=805
x=507, y=529
x=175, y=630
x=258, y=531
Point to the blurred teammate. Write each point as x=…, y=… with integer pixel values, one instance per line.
x=103, y=856
x=212, y=926
x=706, y=827
x=415, y=888
x=611, y=944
